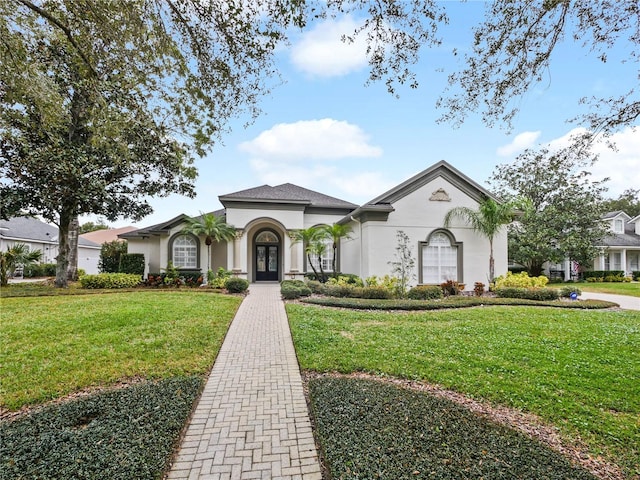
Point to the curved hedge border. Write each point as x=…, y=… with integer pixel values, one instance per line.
x=451, y=302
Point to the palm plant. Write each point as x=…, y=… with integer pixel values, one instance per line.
x=336, y=232
x=490, y=217
x=213, y=228
x=313, y=240
x=18, y=254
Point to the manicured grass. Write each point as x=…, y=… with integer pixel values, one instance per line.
x=121, y=434
x=579, y=370
x=371, y=430
x=617, y=288
x=53, y=346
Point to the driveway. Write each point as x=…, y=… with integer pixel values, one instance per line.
x=625, y=301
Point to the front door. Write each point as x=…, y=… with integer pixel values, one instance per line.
x=267, y=261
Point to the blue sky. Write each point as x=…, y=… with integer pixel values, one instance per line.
x=323, y=129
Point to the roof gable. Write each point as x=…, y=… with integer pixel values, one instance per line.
x=165, y=227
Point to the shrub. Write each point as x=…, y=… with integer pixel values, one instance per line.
x=292, y=289
x=346, y=279
x=451, y=287
x=110, y=280
x=338, y=290
x=520, y=280
x=110, y=253
x=39, y=270
x=566, y=291
x=373, y=292
x=236, y=285
x=636, y=275
x=531, y=293
x=478, y=289
x=602, y=273
x=81, y=272
x=315, y=286
x=220, y=278
x=132, y=263
x=425, y=292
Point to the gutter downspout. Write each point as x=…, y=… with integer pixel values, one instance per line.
x=360, y=249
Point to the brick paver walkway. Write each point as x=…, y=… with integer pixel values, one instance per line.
x=252, y=419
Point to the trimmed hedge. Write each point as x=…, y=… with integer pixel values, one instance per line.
x=292, y=289
x=132, y=263
x=425, y=292
x=236, y=285
x=450, y=302
x=118, y=434
x=110, y=280
x=636, y=275
x=602, y=273
x=528, y=293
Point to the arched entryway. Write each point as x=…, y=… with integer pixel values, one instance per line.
x=267, y=255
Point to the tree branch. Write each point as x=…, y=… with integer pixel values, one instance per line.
x=46, y=15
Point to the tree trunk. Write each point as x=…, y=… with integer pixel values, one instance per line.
x=62, y=259
x=334, y=262
x=72, y=269
x=313, y=268
x=492, y=263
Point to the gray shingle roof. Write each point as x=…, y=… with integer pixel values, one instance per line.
x=627, y=239
x=164, y=227
x=28, y=228
x=287, y=193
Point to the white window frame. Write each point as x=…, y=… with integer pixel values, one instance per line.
x=327, y=258
x=439, y=252
x=184, y=252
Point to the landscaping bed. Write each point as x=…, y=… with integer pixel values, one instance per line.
x=457, y=301
x=369, y=429
x=123, y=433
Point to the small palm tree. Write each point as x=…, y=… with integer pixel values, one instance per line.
x=214, y=229
x=18, y=254
x=490, y=217
x=336, y=232
x=313, y=239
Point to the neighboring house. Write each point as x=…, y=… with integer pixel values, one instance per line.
x=41, y=236
x=106, y=235
x=621, y=249
x=265, y=218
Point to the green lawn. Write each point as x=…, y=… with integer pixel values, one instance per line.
x=617, y=288
x=52, y=346
x=579, y=370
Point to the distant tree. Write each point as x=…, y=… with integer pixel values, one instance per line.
x=92, y=227
x=313, y=240
x=513, y=50
x=628, y=202
x=561, y=208
x=18, y=254
x=403, y=265
x=110, y=254
x=336, y=232
x=214, y=229
x=487, y=220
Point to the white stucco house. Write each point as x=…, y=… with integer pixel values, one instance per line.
x=38, y=235
x=620, y=250
x=265, y=218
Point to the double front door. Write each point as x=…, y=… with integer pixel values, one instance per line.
x=267, y=262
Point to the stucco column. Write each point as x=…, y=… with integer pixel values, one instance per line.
x=623, y=261
x=294, y=252
x=237, y=264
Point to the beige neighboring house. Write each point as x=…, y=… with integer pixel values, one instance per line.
x=38, y=235
x=266, y=217
x=106, y=235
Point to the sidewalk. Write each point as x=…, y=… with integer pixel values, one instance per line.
x=252, y=419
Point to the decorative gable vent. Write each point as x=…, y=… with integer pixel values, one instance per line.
x=440, y=195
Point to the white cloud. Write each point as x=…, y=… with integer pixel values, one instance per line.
x=622, y=165
x=325, y=139
x=322, y=53
x=520, y=142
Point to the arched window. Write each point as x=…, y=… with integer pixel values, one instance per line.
x=439, y=259
x=184, y=251
x=267, y=236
